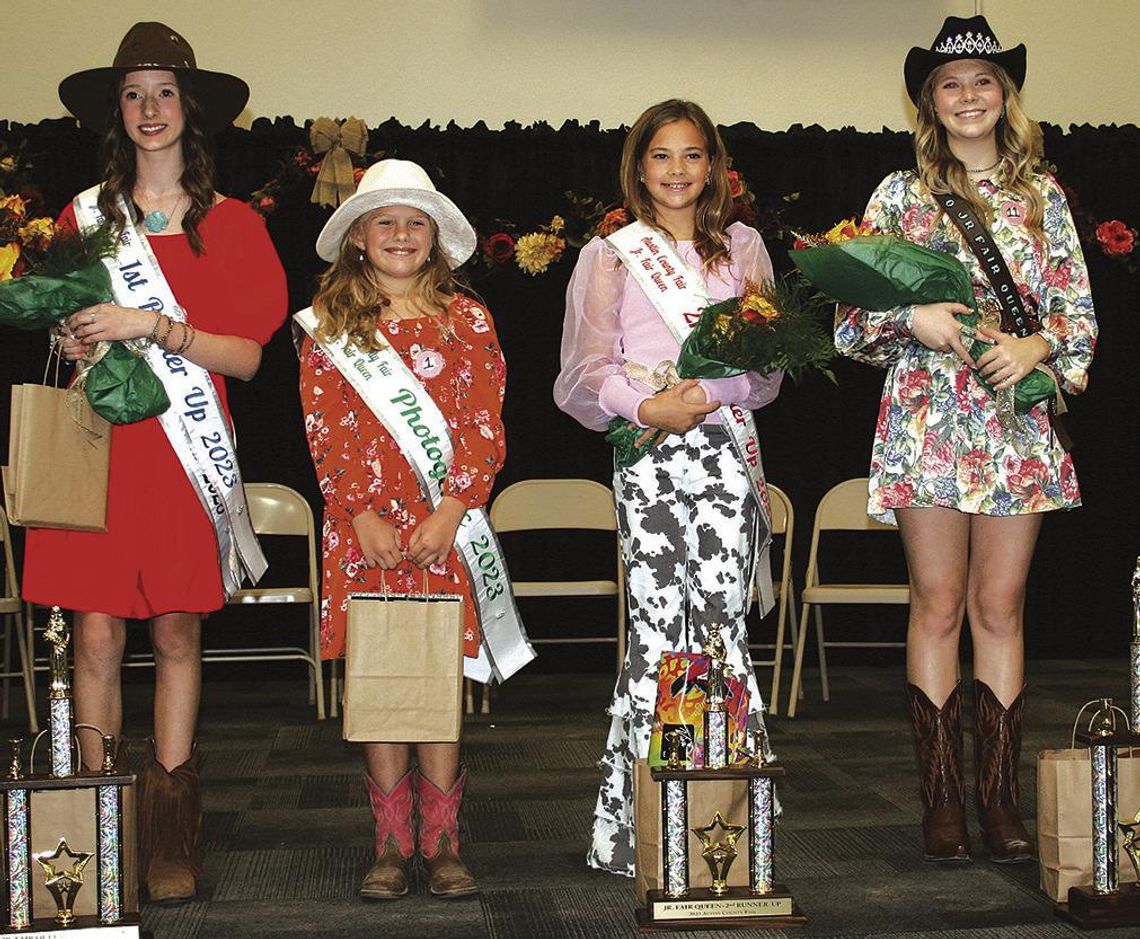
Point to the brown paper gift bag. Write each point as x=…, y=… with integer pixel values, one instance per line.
x=727, y=796
x=1064, y=817
x=403, y=671
x=59, y=454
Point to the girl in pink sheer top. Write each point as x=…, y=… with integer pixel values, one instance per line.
x=688, y=519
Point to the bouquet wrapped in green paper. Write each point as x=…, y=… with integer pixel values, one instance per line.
x=778, y=325
x=68, y=274
x=882, y=272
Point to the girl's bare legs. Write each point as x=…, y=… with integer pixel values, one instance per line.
x=936, y=542
x=98, y=641
x=177, y=642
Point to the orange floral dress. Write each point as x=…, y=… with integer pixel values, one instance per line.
x=359, y=467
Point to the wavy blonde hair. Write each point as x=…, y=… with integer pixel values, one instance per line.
x=714, y=205
x=1019, y=145
x=350, y=300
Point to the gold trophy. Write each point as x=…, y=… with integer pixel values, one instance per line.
x=44, y=814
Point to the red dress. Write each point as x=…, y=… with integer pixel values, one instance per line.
x=359, y=466
x=159, y=554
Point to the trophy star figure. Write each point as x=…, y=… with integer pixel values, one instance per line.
x=1131, y=845
x=732, y=832
x=63, y=884
x=719, y=855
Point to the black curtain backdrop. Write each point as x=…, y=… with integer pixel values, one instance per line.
x=814, y=435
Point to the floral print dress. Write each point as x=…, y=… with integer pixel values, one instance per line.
x=359, y=467
x=938, y=440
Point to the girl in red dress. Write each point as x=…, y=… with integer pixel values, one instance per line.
x=393, y=246
x=158, y=558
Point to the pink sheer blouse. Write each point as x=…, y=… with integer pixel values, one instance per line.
x=610, y=320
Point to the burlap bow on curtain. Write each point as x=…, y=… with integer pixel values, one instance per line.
x=337, y=141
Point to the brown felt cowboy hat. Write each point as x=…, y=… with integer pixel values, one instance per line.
x=962, y=39
x=90, y=94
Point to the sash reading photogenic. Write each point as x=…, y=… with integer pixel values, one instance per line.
x=677, y=292
x=401, y=403
x=195, y=423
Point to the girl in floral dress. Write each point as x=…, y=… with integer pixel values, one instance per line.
x=688, y=511
x=393, y=246
x=967, y=491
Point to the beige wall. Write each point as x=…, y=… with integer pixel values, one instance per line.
x=771, y=62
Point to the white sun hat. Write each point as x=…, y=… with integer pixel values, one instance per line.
x=400, y=182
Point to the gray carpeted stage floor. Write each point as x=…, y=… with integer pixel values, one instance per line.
x=289, y=832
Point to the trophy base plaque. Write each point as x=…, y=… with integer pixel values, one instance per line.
x=1091, y=910
x=703, y=909
x=84, y=927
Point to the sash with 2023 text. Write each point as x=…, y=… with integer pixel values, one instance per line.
x=195, y=423
x=678, y=294
x=401, y=403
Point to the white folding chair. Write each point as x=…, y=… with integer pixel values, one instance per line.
x=842, y=508
x=783, y=525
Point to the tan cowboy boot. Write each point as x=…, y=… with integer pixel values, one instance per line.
x=439, y=838
x=170, y=829
x=387, y=879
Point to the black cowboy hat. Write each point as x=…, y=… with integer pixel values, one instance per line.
x=90, y=94
x=962, y=39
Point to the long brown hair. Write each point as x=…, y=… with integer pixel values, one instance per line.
x=1019, y=146
x=349, y=298
x=120, y=167
x=714, y=205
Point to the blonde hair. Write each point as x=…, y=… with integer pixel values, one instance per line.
x=714, y=205
x=350, y=300
x=1019, y=145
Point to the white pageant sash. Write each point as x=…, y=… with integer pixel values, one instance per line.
x=401, y=403
x=678, y=294
x=195, y=423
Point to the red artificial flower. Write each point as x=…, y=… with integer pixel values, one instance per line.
x=303, y=158
x=315, y=168
x=499, y=248
x=1116, y=239
x=266, y=204
x=357, y=175
x=735, y=184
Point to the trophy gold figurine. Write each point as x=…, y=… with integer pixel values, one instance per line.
x=716, y=703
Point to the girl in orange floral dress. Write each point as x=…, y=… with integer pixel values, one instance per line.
x=393, y=246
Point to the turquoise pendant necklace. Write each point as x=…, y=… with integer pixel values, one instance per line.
x=156, y=221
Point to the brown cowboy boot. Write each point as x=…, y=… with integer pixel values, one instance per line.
x=170, y=829
x=387, y=879
x=997, y=745
x=938, y=746
x=439, y=837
